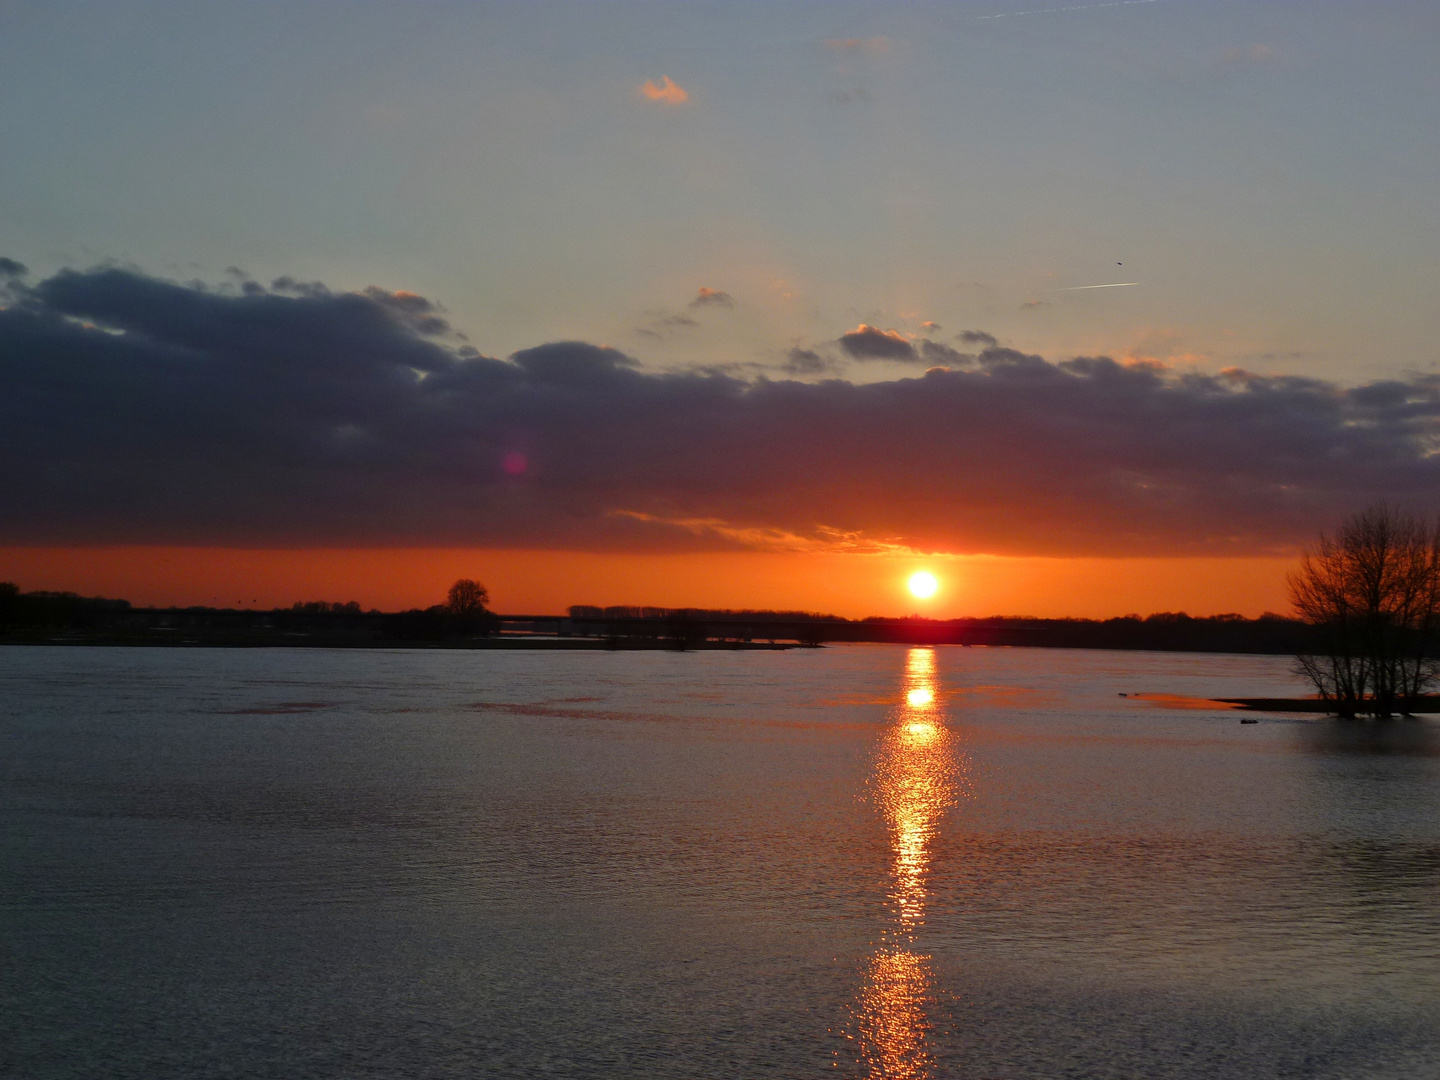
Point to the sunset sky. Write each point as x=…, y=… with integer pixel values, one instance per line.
x=714, y=304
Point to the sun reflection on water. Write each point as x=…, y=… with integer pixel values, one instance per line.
x=919, y=697
x=918, y=777
x=892, y=1015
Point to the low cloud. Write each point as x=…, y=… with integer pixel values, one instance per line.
x=872, y=343
x=138, y=410
x=712, y=298
x=977, y=337
x=287, y=284
x=800, y=361
x=411, y=309
x=663, y=324
x=933, y=352
x=12, y=274
x=665, y=91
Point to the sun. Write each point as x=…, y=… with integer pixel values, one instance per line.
x=923, y=584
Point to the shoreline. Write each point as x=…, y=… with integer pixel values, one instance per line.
x=1430, y=703
x=519, y=644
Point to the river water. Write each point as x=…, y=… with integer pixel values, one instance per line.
x=856, y=861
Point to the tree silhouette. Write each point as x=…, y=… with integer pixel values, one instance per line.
x=467, y=599
x=1372, y=592
x=9, y=601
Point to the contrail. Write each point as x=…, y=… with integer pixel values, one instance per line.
x=1113, y=285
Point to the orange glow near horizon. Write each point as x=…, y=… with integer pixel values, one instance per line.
x=547, y=582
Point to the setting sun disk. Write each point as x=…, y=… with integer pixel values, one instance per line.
x=923, y=584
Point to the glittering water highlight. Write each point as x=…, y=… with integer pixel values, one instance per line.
x=919, y=774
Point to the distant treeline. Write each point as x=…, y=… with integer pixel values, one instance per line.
x=1168, y=631
x=43, y=616
x=53, y=608
x=586, y=612
x=34, y=615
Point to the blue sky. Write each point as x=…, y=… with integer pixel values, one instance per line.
x=1265, y=171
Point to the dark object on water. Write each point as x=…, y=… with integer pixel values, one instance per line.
x=1124, y=695
x=1248, y=720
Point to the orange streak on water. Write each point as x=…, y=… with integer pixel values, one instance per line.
x=892, y=1016
x=918, y=777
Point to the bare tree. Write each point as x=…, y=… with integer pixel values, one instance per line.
x=1372, y=593
x=467, y=598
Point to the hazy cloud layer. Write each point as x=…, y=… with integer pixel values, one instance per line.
x=138, y=410
x=933, y=352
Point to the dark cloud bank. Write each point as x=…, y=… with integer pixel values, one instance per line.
x=138, y=410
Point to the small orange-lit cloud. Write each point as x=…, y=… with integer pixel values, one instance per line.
x=1253, y=53
x=666, y=90
x=712, y=298
x=1161, y=349
x=874, y=45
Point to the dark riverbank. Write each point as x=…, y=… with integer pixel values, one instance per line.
x=50, y=618
x=1165, y=632
x=520, y=642
x=1427, y=704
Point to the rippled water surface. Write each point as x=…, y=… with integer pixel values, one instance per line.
x=856, y=861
